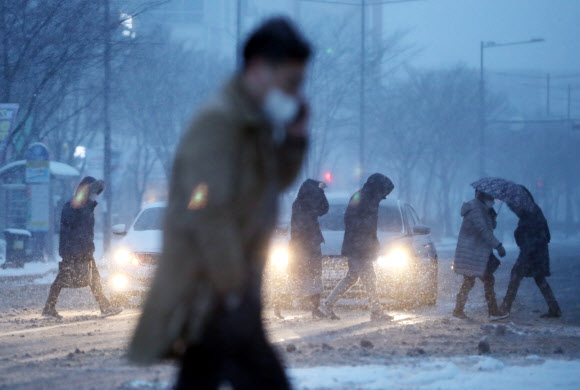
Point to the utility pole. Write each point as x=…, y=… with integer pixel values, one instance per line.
x=548, y=94
x=107, y=130
x=238, y=33
x=362, y=94
x=482, y=125
x=569, y=102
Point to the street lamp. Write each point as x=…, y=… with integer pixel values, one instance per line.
x=482, y=120
x=362, y=97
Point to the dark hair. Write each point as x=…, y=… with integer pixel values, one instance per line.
x=277, y=40
x=483, y=196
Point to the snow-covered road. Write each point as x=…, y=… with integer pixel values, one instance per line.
x=422, y=348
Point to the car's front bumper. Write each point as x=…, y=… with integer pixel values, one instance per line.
x=130, y=280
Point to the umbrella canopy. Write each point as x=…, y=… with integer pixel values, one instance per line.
x=516, y=196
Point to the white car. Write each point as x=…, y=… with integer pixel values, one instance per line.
x=134, y=259
x=407, y=267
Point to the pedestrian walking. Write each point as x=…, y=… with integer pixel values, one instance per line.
x=241, y=151
x=361, y=245
x=474, y=256
x=76, y=247
x=305, y=266
x=532, y=237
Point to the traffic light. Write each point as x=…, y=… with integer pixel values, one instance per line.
x=328, y=177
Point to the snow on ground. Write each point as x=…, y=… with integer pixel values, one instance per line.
x=470, y=372
x=473, y=373
x=35, y=268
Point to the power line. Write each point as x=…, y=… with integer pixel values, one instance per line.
x=386, y=2
x=530, y=76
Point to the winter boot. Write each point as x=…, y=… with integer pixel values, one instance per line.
x=50, y=312
x=553, y=313
x=111, y=311
x=459, y=314
x=317, y=314
x=328, y=312
x=498, y=316
x=278, y=311
x=381, y=316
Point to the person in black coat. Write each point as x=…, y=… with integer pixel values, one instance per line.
x=76, y=247
x=532, y=236
x=361, y=245
x=305, y=266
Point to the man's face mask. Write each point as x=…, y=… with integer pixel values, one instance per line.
x=280, y=107
x=93, y=197
x=489, y=203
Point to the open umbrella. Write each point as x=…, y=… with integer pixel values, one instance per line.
x=515, y=195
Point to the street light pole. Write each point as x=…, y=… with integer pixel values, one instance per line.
x=238, y=33
x=482, y=108
x=107, y=130
x=482, y=124
x=362, y=101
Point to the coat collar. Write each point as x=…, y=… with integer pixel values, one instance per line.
x=245, y=107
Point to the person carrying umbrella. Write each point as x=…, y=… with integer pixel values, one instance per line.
x=474, y=254
x=305, y=267
x=532, y=236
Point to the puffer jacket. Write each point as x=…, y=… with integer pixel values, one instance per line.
x=476, y=240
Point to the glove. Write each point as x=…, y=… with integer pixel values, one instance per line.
x=501, y=250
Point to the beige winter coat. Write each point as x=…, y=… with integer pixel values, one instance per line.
x=226, y=179
x=476, y=240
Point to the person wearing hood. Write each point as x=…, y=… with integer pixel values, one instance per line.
x=241, y=151
x=361, y=245
x=305, y=265
x=532, y=237
x=474, y=253
x=76, y=247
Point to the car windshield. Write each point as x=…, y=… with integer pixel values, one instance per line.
x=150, y=219
x=389, y=219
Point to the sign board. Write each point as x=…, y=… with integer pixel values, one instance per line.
x=37, y=164
x=38, y=208
x=94, y=164
x=8, y=112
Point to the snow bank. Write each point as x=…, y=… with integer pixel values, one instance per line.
x=473, y=373
x=36, y=268
x=20, y=232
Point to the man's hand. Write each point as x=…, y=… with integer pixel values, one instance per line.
x=501, y=250
x=298, y=127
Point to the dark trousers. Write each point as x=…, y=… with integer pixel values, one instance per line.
x=63, y=281
x=234, y=350
x=515, y=280
x=358, y=269
x=488, y=286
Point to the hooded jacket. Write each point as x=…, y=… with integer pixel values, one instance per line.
x=310, y=204
x=476, y=240
x=533, y=236
x=361, y=218
x=305, y=234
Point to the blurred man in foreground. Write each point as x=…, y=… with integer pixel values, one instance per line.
x=239, y=153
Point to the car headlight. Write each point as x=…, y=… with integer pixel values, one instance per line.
x=123, y=256
x=397, y=258
x=120, y=281
x=279, y=257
